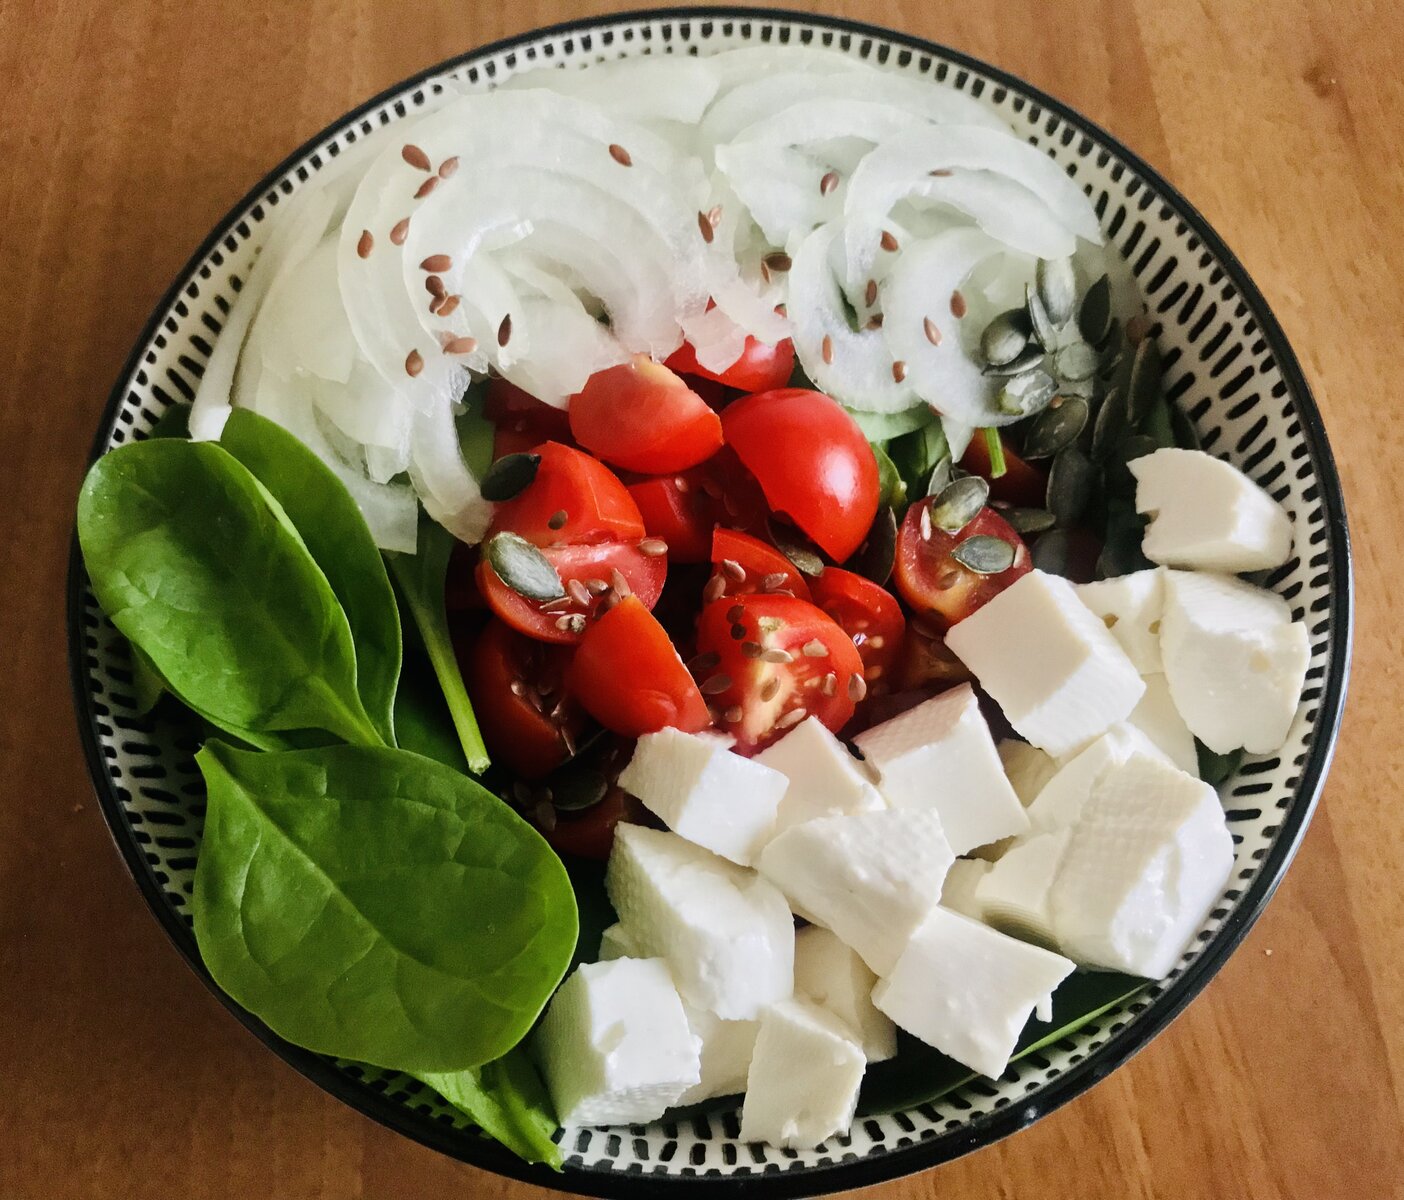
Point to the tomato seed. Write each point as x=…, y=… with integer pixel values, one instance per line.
x=814, y=649
x=715, y=684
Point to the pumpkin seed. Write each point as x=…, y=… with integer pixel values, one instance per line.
x=1120, y=481
x=1043, y=328
x=1094, y=318
x=1083, y=389
x=523, y=568
x=1026, y=394
x=509, y=476
x=1121, y=550
x=1070, y=481
x=876, y=556
x=1057, y=288
x=985, y=555
x=960, y=503
x=1029, y=358
x=1113, y=340
x=1186, y=435
x=1005, y=337
x=1144, y=388
x=578, y=788
x=1138, y=445
x=1110, y=426
x=1052, y=552
x=941, y=474
x=1075, y=361
x=1028, y=520
x=1055, y=427
x=806, y=560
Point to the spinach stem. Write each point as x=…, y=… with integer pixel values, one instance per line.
x=995, y=447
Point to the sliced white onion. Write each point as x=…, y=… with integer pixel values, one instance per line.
x=446, y=487
x=304, y=322
x=665, y=88
x=780, y=187
x=745, y=63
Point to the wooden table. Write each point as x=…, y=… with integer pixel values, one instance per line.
x=128, y=127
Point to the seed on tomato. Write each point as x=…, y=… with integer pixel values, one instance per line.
x=934, y=582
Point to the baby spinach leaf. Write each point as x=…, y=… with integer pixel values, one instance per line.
x=507, y=1101
x=882, y=427
x=1215, y=769
x=476, y=432
x=372, y=904
x=147, y=685
x=173, y=423
x=422, y=720
x=420, y=579
x=891, y=490
x=336, y=535
x=204, y=575
x=916, y=454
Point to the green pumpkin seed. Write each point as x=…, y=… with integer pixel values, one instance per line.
x=1094, y=318
x=1070, y=482
x=1052, y=552
x=1027, y=360
x=877, y=555
x=1028, y=520
x=1075, y=361
x=1121, y=550
x=941, y=475
x=1005, y=337
x=1055, y=427
x=787, y=540
x=577, y=788
x=509, y=476
x=1057, y=289
x=1144, y=388
x=1083, y=389
x=985, y=555
x=523, y=568
x=1110, y=426
x=1026, y=394
x=1043, y=328
x=1111, y=342
x=1138, y=445
x=960, y=503
x=1186, y=435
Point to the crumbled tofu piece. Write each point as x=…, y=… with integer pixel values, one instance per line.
x=1027, y=768
x=825, y=780
x=1063, y=796
x=725, y=1056
x=960, y=891
x=1130, y=606
x=835, y=978
x=615, y=942
x=1014, y=896
x=1157, y=717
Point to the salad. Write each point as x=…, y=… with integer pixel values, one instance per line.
x=693, y=588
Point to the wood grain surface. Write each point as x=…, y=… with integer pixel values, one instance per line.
x=128, y=127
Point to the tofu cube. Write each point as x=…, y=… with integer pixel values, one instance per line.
x=832, y=976
x=1234, y=659
x=615, y=1046
x=1148, y=858
x=725, y=933
x=1015, y=894
x=939, y=756
x=615, y=942
x=1130, y=606
x=724, y=1056
x=1207, y=514
x=968, y=990
x=1057, y=806
x=961, y=889
x=824, y=778
x=705, y=793
x=1026, y=767
x=1050, y=664
x=1157, y=717
x=870, y=878
x=804, y=1078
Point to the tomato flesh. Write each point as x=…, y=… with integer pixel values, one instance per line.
x=573, y=499
x=762, y=567
x=933, y=582
x=678, y=510
x=590, y=834
x=812, y=462
x=763, y=681
x=642, y=417
x=1022, y=483
x=509, y=407
x=761, y=368
x=527, y=719
x=628, y=676
x=870, y=615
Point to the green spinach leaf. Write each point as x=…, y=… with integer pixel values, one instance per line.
x=892, y=491
x=173, y=423
x=916, y=454
x=336, y=535
x=475, y=432
x=420, y=579
x=882, y=427
x=204, y=575
x=422, y=720
x=506, y=1100
x=372, y=904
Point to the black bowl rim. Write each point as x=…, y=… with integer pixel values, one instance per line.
x=875, y=1167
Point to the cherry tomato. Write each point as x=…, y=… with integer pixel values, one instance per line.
x=629, y=677
x=762, y=567
x=1022, y=483
x=927, y=662
x=869, y=614
x=760, y=368
x=812, y=462
x=642, y=417
x=590, y=833
x=573, y=499
x=741, y=503
x=508, y=407
x=933, y=582
x=528, y=720
x=507, y=440
x=677, y=509
x=460, y=583
x=594, y=566
x=789, y=660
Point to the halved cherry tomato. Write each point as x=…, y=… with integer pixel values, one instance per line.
x=927, y=662
x=594, y=566
x=528, y=720
x=869, y=614
x=760, y=368
x=812, y=462
x=933, y=582
x=574, y=498
x=762, y=567
x=778, y=659
x=508, y=407
x=741, y=503
x=1022, y=483
x=507, y=440
x=590, y=833
x=629, y=677
x=677, y=509
x=460, y=582
x=642, y=417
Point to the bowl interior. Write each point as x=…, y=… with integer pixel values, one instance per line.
x=1228, y=367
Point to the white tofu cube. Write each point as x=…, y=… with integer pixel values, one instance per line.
x=1058, y=804
x=615, y=942
x=1014, y=895
x=725, y=1055
x=804, y=1078
x=1148, y=858
x=961, y=889
x=615, y=1045
x=940, y=756
x=705, y=793
x=832, y=976
x=1026, y=767
x=1235, y=661
x=871, y=877
x=1050, y=664
x=1130, y=606
x=725, y=933
x=825, y=780
x=968, y=990
x=1207, y=514
x=1157, y=717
